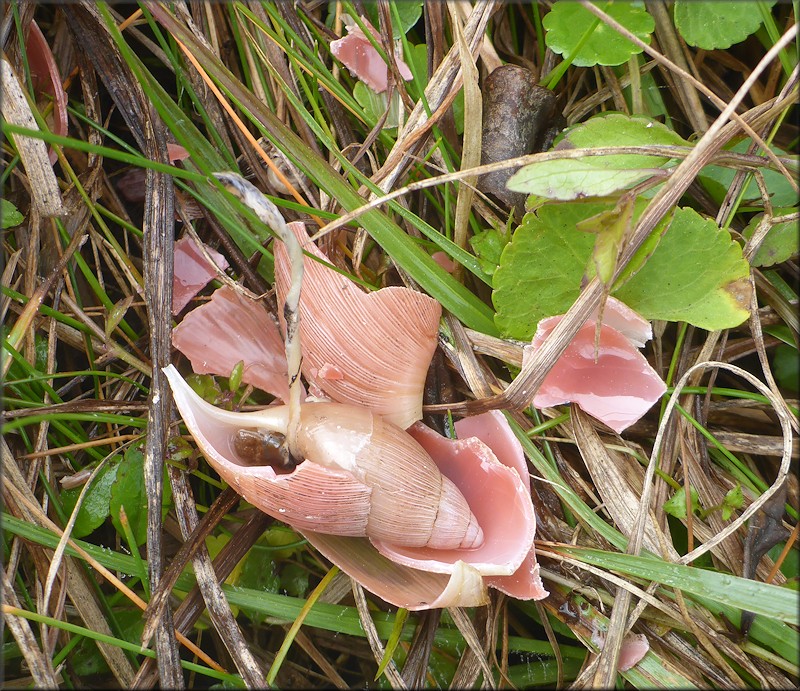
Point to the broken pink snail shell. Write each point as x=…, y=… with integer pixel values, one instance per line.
x=359, y=475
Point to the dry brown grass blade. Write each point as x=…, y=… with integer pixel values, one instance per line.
x=43, y=186
x=614, y=475
x=416, y=665
x=390, y=670
x=126, y=91
x=471, y=148
x=440, y=93
x=39, y=664
x=474, y=661
x=189, y=611
x=678, y=183
x=193, y=542
x=35, y=301
x=670, y=43
x=218, y=607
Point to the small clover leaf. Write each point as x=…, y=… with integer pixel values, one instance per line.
x=9, y=215
x=780, y=242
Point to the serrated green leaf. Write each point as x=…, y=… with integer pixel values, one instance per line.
x=734, y=499
x=786, y=367
x=567, y=23
x=95, y=506
x=676, y=504
x=780, y=242
x=488, y=246
x=693, y=272
x=696, y=274
x=718, y=24
x=541, y=268
x=375, y=104
x=9, y=215
x=294, y=580
x=259, y=573
x=598, y=175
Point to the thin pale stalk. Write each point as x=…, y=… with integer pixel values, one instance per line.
x=267, y=212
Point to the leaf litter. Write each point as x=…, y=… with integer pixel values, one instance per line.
x=81, y=346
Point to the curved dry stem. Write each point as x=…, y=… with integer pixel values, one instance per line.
x=269, y=214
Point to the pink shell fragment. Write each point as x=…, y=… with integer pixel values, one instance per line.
x=192, y=271
x=401, y=586
x=331, y=372
x=634, y=648
x=629, y=323
x=618, y=387
x=380, y=342
x=364, y=62
x=176, y=152
x=231, y=328
x=444, y=260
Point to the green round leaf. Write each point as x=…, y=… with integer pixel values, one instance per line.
x=696, y=274
x=717, y=180
x=568, y=22
x=409, y=12
x=780, y=243
x=786, y=367
x=9, y=215
x=712, y=25
x=129, y=490
x=573, y=178
x=541, y=268
x=618, y=129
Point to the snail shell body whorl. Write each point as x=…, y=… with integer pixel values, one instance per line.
x=412, y=503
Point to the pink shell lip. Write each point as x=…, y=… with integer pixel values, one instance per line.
x=399, y=585
x=311, y=497
x=499, y=497
x=487, y=484
x=376, y=346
